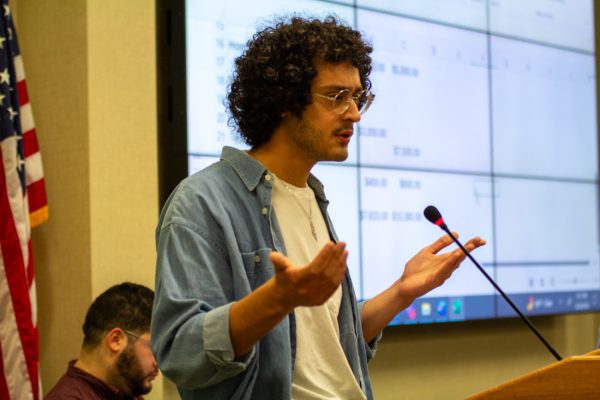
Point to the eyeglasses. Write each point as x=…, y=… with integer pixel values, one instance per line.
x=139, y=339
x=340, y=102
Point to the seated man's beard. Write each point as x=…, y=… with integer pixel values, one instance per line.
x=128, y=375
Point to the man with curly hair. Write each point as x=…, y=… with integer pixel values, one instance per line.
x=253, y=297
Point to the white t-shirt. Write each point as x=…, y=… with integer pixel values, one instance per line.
x=321, y=369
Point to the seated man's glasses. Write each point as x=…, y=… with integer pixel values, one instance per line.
x=340, y=101
x=139, y=339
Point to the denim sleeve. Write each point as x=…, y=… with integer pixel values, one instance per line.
x=371, y=347
x=190, y=322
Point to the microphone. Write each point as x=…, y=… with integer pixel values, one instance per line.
x=435, y=217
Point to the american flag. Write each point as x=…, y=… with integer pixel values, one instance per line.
x=22, y=205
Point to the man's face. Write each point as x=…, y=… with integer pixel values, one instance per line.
x=136, y=367
x=320, y=133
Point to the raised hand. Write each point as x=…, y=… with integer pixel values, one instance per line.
x=428, y=269
x=312, y=284
x=256, y=314
x=422, y=273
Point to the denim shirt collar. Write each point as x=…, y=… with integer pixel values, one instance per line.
x=251, y=171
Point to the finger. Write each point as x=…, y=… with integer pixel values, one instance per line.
x=340, y=254
x=337, y=266
x=441, y=242
x=323, y=256
x=280, y=262
x=450, y=263
x=337, y=263
x=343, y=264
x=333, y=270
x=474, y=243
x=330, y=254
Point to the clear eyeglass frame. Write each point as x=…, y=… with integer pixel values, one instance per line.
x=139, y=339
x=340, y=102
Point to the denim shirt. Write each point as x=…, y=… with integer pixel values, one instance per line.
x=214, y=237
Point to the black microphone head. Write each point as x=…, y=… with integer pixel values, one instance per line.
x=434, y=216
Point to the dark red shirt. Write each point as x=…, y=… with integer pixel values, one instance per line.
x=77, y=384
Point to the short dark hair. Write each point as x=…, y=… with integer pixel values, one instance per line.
x=127, y=306
x=275, y=73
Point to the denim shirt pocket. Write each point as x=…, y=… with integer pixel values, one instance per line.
x=258, y=267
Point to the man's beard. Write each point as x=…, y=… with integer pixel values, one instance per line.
x=312, y=141
x=129, y=376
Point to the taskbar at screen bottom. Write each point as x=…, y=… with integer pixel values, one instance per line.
x=463, y=308
x=446, y=309
x=551, y=303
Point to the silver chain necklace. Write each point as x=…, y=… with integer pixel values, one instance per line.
x=308, y=213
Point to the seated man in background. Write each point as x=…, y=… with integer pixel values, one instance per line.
x=116, y=360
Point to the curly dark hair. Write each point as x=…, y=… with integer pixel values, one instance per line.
x=127, y=306
x=275, y=73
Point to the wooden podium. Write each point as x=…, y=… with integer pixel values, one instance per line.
x=576, y=377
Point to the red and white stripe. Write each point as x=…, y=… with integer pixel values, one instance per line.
x=19, y=353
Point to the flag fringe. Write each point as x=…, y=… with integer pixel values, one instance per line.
x=38, y=217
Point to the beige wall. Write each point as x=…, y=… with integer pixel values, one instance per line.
x=91, y=76
x=56, y=67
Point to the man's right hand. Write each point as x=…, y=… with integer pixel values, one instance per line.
x=255, y=315
x=312, y=284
